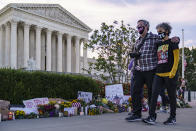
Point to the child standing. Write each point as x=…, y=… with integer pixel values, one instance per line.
x=168, y=58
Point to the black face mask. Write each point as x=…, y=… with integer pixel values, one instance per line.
x=162, y=35
x=141, y=29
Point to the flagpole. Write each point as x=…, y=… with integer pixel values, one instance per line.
x=183, y=54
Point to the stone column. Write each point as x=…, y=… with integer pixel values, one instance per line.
x=48, y=50
x=13, y=44
x=7, y=45
x=85, y=64
x=38, y=48
x=59, y=51
x=69, y=53
x=1, y=47
x=26, y=44
x=53, y=53
x=77, y=54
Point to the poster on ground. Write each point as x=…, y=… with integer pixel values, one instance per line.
x=86, y=96
x=33, y=103
x=114, y=93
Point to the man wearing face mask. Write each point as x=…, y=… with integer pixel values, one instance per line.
x=145, y=55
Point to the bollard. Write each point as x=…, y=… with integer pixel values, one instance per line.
x=0, y=117
x=189, y=95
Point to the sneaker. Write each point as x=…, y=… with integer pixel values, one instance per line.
x=130, y=113
x=149, y=120
x=133, y=118
x=170, y=121
x=163, y=109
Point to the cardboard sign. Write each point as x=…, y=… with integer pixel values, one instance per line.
x=71, y=110
x=114, y=90
x=114, y=93
x=126, y=98
x=86, y=96
x=33, y=103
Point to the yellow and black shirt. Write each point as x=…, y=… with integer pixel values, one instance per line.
x=168, y=58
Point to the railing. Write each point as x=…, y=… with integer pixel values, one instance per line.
x=193, y=95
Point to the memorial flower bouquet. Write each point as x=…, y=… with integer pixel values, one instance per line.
x=182, y=104
x=31, y=116
x=40, y=109
x=64, y=105
x=94, y=111
x=112, y=106
x=19, y=114
x=47, y=110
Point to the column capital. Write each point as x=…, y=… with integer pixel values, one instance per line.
x=13, y=21
x=69, y=36
x=7, y=24
x=49, y=30
x=27, y=25
x=59, y=34
x=77, y=37
x=38, y=27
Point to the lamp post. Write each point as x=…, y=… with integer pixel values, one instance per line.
x=182, y=53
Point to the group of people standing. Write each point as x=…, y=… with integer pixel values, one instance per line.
x=155, y=62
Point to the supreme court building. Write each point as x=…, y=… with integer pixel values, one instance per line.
x=46, y=33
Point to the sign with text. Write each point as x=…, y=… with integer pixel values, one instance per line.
x=86, y=96
x=32, y=103
x=114, y=93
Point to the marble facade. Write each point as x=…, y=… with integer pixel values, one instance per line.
x=46, y=33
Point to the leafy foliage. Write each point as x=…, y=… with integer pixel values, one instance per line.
x=190, y=69
x=18, y=85
x=113, y=44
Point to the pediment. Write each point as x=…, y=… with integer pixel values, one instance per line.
x=54, y=12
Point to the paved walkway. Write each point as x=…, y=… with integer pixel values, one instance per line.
x=186, y=121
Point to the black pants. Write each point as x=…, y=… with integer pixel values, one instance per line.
x=158, y=84
x=141, y=78
x=131, y=86
x=164, y=98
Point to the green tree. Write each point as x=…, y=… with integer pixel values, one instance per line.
x=112, y=44
x=190, y=69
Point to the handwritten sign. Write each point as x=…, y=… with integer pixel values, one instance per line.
x=114, y=93
x=33, y=103
x=86, y=96
x=114, y=90
x=70, y=110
